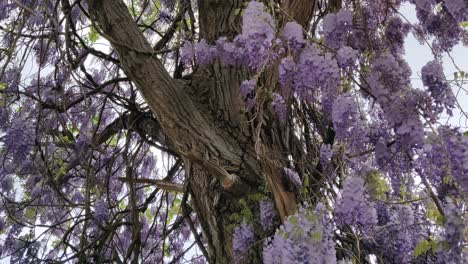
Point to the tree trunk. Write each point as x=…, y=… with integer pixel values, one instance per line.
x=227, y=158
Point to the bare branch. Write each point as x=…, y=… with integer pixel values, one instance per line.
x=165, y=185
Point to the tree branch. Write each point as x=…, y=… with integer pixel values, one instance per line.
x=165, y=185
x=190, y=128
x=300, y=10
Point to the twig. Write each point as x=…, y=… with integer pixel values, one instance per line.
x=165, y=185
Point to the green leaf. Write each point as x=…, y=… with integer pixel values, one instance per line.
x=55, y=243
x=316, y=236
x=174, y=209
x=112, y=141
x=376, y=185
x=122, y=205
x=235, y=217
x=149, y=18
x=460, y=74
x=64, y=139
x=403, y=192
x=167, y=252
x=61, y=171
x=425, y=246
x=93, y=35
x=247, y=214
x=433, y=213
x=293, y=220
x=30, y=213
x=230, y=228
x=95, y=119
x=148, y=215
x=256, y=197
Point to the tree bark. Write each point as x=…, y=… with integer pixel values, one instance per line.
x=226, y=158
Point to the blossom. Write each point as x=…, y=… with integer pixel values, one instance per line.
x=292, y=176
x=433, y=77
x=204, y=53
x=242, y=238
x=326, y=153
x=305, y=237
x=452, y=236
x=247, y=87
x=336, y=27
x=19, y=138
x=347, y=122
x=101, y=211
x=458, y=9
x=293, y=33
x=6, y=183
x=395, y=34
x=287, y=73
x=317, y=72
x=279, y=106
x=346, y=57
x=77, y=197
x=187, y=52
x=258, y=24
x=353, y=205
x=258, y=33
x=267, y=214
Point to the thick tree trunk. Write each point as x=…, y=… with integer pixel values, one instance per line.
x=226, y=157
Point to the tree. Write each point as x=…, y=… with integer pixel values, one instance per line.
x=253, y=131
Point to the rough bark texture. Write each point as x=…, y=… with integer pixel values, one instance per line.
x=226, y=157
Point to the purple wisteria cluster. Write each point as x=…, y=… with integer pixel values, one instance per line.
x=11, y=78
x=397, y=234
x=336, y=27
x=19, y=138
x=346, y=57
x=442, y=23
x=101, y=211
x=326, y=153
x=395, y=34
x=311, y=74
x=347, y=122
x=305, y=237
x=6, y=183
x=389, y=83
x=354, y=205
x=243, y=238
x=444, y=161
x=294, y=35
x=279, y=106
x=292, y=176
x=318, y=75
x=268, y=214
x=251, y=48
x=247, y=89
x=287, y=70
x=458, y=9
x=452, y=249
x=434, y=79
